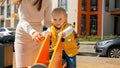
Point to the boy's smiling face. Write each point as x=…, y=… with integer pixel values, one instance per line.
x=59, y=19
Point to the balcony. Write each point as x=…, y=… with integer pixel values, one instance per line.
x=1, y=17
x=115, y=11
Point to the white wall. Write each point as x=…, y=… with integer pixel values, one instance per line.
x=108, y=24
x=54, y=3
x=73, y=11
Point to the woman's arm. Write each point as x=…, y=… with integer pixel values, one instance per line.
x=32, y=32
x=27, y=27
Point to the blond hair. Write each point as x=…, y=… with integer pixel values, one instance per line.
x=59, y=11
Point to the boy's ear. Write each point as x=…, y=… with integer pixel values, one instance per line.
x=52, y=23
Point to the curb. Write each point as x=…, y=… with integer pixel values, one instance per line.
x=87, y=43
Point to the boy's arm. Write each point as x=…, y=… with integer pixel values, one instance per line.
x=46, y=32
x=67, y=31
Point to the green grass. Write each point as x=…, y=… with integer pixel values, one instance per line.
x=94, y=38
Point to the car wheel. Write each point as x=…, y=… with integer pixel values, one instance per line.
x=114, y=52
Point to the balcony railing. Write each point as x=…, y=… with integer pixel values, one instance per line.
x=115, y=9
x=1, y=16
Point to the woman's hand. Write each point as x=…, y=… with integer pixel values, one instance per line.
x=37, y=36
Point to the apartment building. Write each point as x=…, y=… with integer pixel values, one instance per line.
x=98, y=17
x=90, y=17
x=6, y=11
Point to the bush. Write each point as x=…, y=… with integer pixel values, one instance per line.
x=95, y=38
x=90, y=38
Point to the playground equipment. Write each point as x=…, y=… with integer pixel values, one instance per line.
x=43, y=61
x=56, y=60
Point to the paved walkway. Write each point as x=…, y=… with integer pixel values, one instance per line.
x=97, y=62
x=87, y=58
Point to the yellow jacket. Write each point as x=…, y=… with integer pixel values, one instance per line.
x=69, y=45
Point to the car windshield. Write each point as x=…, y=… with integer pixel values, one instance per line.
x=2, y=29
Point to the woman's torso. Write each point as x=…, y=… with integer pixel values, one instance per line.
x=30, y=13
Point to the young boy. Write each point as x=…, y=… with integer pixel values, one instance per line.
x=60, y=26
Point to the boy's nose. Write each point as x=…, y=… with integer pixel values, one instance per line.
x=57, y=21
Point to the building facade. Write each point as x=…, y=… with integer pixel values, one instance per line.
x=90, y=17
x=6, y=11
x=98, y=17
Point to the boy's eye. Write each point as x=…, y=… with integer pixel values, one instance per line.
x=54, y=19
x=60, y=19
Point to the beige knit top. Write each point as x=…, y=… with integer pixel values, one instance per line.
x=29, y=13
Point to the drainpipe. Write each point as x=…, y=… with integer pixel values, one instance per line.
x=103, y=5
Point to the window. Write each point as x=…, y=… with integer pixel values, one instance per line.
x=93, y=25
x=63, y=4
x=83, y=4
x=8, y=11
x=8, y=8
x=8, y=1
x=106, y=5
x=117, y=3
x=2, y=10
x=1, y=23
x=2, y=30
x=94, y=5
x=83, y=24
x=116, y=25
x=16, y=8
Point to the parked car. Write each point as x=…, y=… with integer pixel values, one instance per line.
x=109, y=48
x=9, y=39
x=6, y=31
